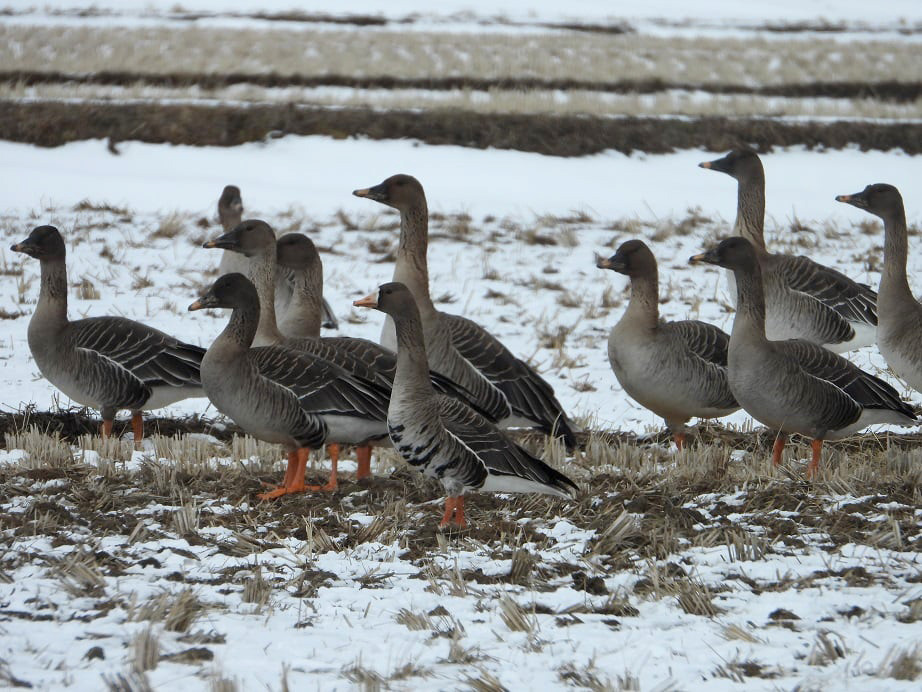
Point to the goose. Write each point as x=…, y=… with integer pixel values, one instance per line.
x=803, y=299
x=280, y=395
x=459, y=348
x=795, y=386
x=254, y=241
x=442, y=436
x=230, y=214
x=108, y=363
x=675, y=369
x=899, y=332
x=364, y=359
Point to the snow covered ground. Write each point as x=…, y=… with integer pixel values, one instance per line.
x=156, y=569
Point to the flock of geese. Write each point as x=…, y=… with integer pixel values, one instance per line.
x=442, y=390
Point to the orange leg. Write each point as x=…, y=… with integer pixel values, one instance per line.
x=454, y=512
x=778, y=448
x=363, y=454
x=137, y=427
x=814, y=466
x=290, y=473
x=106, y=429
x=459, y=513
x=331, y=485
x=448, y=516
x=679, y=440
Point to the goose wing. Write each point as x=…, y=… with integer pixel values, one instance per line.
x=855, y=302
x=322, y=387
x=155, y=358
x=528, y=394
x=865, y=389
x=498, y=454
x=704, y=340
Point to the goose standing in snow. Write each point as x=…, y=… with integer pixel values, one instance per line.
x=899, y=331
x=443, y=437
x=675, y=369
x=795, y=386
x=255, y=242
x=109, y=363
x=458, y=348
x=230, y=214
x=280, y=395
x=803, y=299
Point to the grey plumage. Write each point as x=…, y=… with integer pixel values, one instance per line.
x=676, y=369
x=795, y=386
x=803, y=299
x=505, y=387
x=443, y=437
x=899, y=332
x=109, y=363
x=281, y=395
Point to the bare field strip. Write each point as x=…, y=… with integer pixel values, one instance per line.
x=56, y=123
x=420, y=55
x=494, y=100
x=890, y=90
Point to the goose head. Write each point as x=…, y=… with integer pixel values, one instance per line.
x=399, y=191
x=633, y=258
x=43, y=243
x=879, y=199
x=296, y=251
x=741, y=164
x=229, y=291
x=230, y=201
x=250, y=238
x=735, y=253
x=393, y=298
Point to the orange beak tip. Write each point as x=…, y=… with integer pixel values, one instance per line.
x=197, y=305
x=369, y=301
x=361, y=193
x=704, y=164
x=209, y=244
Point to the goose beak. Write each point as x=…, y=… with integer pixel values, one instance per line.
x=369, y=301
x=856, y=200
x=704, y=164
x=378, y=193
x=25, y=247
x=715, y=165
x=614, y=263
x=708, y=257
x=225, y=242
x=197, y=305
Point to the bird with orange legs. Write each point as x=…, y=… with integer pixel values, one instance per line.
x=443, y=437
x=281, y=395
x=795, y=386
x=109, y=363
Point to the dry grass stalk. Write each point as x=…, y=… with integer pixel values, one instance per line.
x=145, y=648
x=828, y=648
x=177, y=612
x=515, y=617
x=485, y=682
x=256, y=589
x=43, y=450
x=127, y=682
x=902, y=663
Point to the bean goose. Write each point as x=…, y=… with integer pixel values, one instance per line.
x=280, y=395
x=255, y=241
x=230, y=214
x=443, y=437
x=803, y=299
x=364, y=359
x=795, y=386
x=109, y=363
x=899, y=332
x=459, y=348
x=675, y=369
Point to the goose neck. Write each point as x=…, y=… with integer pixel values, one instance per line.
x=750, y=210
x=411, y=267
x=896, y=252
x=262, y=270
x=303, y=315
x=412, y=374
x=749, y=322
x=51, y=309
x=643, y=307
